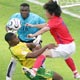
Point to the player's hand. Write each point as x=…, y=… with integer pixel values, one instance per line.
x=51, y=46
x=30, y=25
x=30, y=36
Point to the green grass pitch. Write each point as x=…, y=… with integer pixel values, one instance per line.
x=9, y=7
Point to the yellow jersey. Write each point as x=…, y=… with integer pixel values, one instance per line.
x=20, y=52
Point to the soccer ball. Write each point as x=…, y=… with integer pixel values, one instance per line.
x=13, y=25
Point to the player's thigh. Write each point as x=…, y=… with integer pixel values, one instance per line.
x=52, y=53
x=60, y=52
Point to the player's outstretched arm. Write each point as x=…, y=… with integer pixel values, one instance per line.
x=41, y=31
x=31, y=45
x=37, y=25
x=36, y=53
x=40, y=51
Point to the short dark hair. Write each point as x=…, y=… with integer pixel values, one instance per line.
x=53, y=7
x=8, y=37
x=24, y=5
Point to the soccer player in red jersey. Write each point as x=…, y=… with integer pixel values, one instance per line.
x=58, y=29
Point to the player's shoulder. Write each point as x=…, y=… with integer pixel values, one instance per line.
x=37, y=17
x=20, y=44
x=34, y=15
x=13, y=49
x=56, y=20
x=17, y=47
x=16, y=15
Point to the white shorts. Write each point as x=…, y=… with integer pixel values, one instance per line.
x=63, y=50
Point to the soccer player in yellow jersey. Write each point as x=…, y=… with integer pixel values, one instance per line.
x=26, y=55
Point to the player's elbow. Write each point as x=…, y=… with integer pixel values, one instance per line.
x=35, y=56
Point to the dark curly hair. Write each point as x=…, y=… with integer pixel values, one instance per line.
x=53, y=7
x=24, y=4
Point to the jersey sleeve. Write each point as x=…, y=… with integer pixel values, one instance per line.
x=51, y=25
x=38, y=19
x=41, y=20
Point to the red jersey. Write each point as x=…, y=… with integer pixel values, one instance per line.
x=59, y=30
